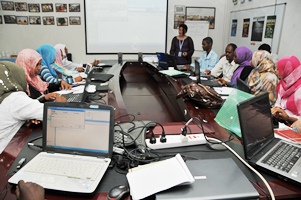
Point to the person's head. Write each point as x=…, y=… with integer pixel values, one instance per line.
x=183, y=29
x=12, y=79
x=229, y=51
x=265, y=47
x=242, y=55
x=48, y=54
x=207, y=44
x=63, y=48
x=258, y=56
x=288, y=65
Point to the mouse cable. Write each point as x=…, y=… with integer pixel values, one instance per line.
x=249, y=166
x=31, y=144
x=120, y=116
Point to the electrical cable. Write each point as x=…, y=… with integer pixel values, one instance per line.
x=249, y=166
x=32, y=144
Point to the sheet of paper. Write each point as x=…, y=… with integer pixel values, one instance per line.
x=78, y=89
x=171, y=72
x=64, y=91
x=201, y=78
x=223, y=90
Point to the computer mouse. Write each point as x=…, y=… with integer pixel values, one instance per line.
x=216, y=146
x=119, y=192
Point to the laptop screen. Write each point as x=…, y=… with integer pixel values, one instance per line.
x=78, y=129
x=255, y=123
x=241, y=85
x=197, y=71
x=171, y=61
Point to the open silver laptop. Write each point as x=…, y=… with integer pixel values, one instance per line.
x=214, y=179
x=273, y=155
x=77, y=148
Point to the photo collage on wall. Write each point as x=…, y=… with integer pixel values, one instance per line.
x=182, y=13
x=29, y=13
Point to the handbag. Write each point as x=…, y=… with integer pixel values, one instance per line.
x=201, y=94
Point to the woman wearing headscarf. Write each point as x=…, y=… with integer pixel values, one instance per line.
x=242, y=57
x=30, y=61
x=15, y=106
x=263, y=78
x=51, y=71
x=287, y=106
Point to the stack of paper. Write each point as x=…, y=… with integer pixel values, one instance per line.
x=155, y=177
x=172, y=72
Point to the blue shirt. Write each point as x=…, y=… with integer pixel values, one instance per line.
x=208, y=62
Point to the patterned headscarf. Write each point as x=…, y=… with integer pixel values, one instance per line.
x=48, y=55
x=28, y=60
x=12, y=79
x=244, y=56
x=263, y=78
x=289, y=68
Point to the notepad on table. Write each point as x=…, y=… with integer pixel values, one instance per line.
x=172, y=72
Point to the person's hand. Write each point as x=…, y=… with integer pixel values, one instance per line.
x=185, y=54
x=65, y=85
x=78, y=79
x=95, y=62
x=221, y=81
x=280, y=113
x=33, y=121
x=51, y=96
x=80, y=69
x=296, y=126
x=60, y=99
x=186, y=67
x=207, y=72
x=29, y=191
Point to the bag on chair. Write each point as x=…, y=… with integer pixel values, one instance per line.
x=201, y=94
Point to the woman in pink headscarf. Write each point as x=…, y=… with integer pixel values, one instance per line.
x=288, y=103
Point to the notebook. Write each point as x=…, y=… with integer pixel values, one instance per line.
x=259, y=143
x=74, y=134
x=214, y=179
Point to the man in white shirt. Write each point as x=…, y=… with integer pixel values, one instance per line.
x=209, y=58
x=226, y=66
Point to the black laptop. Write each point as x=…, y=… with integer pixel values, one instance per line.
x=241, y=85
x=261, y=148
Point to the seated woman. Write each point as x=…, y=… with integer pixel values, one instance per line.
x=51, y=71
x=30, y=61
x=71, y=65
x=287, y=106
x=15, y=106
x=263, y=78
x=242, y=57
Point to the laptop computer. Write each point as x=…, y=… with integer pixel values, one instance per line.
x=77, y=148
x=261, y=148
x=162, y=62
x=197, y=71
x=241, y=85
x=230, y=184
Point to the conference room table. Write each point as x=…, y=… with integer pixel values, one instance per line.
x=138, y=91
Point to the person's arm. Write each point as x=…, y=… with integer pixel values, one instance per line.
x=218, y=68
x=213, y=61
x=282, y=115
x=29, y=191
x=191, y=47
x=172, y=50
x=47, y=76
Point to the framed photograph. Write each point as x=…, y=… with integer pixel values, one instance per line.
x=22, y=20
x=74, y=20
x=1, y=19
x=7, y=5
x=179, y=9
x=34, y=20
x=60, y=7
x=178, y=19
x=74, y=7
x=10, y=19
x=201, y=14
x=48, y=20
x=62, y=21
x=21, y=6
x=47, y=7
x=34, y=7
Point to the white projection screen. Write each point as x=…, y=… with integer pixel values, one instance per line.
x=127, y=26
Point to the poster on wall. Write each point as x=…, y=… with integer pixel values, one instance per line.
x=245, y=29
x=179, y=16
x=257, y=29
x=234, y=27
x=61, y=7
x=74, y=7
x=21, y=6
x=7, y=5
x=201, y=14
x=48, y=7
x=34, y=20
x=48, y=20
x=22, y=20
x=10, y=19
x=270, y=26
x=34, y=7
x=74, y=20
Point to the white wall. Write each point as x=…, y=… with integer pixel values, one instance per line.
x=290, y=39
x=14, y=38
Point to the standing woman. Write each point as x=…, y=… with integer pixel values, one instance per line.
x=182, y=47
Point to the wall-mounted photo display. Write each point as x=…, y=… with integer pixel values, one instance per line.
x=34, y=7
x=34, y=20
x=10, y=19
x=62, y=21
x=8, y=5
x=60, y=7
x=48, y=20
x=21, y=6
x=47, y=7
x=74, y=7
x=22, y=20
x=74, y=20
x=201, y=14
x=1, y=19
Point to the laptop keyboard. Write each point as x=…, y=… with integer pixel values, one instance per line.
x=73, y=97
x=283, y=157
x=63, y=167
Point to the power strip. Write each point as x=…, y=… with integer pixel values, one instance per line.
x=177, y=141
